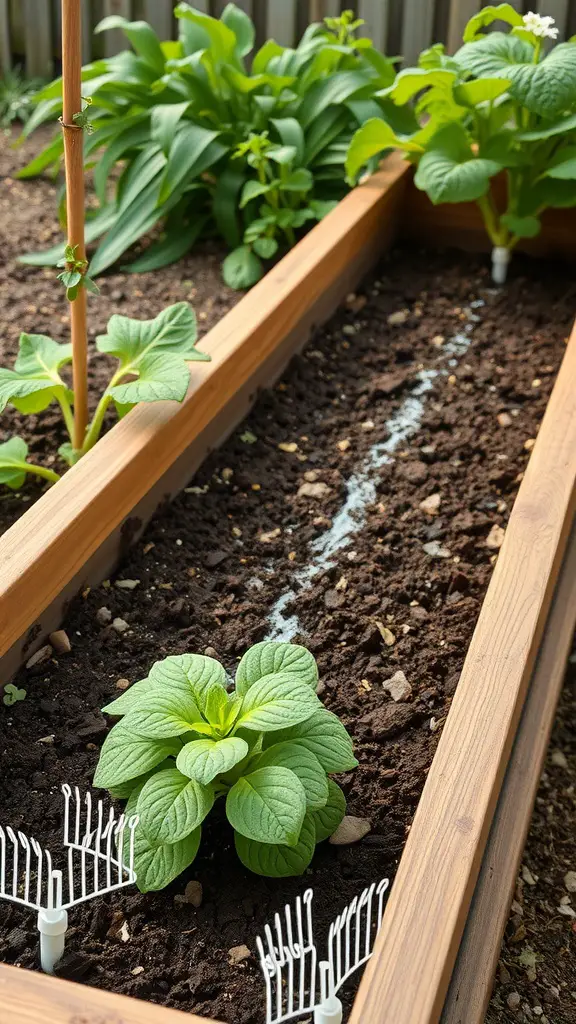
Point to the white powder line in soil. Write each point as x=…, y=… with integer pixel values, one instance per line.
x=361, y=487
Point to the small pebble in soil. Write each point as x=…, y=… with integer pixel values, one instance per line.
x=504, y=419
x=193, y=894
x=60, y=641
x=103, y=616
x=398, y=686
x=44, y=654
x=495, y=538
x=120, y=625
x=398, y=318
x=513, y=1000
x=350, y=830
x=558, y=758
x=237, y=954
x=436, y=550
x=127, y=584
x=314, y=490
x=122, y=684
x=570, y=881
x=431, y=505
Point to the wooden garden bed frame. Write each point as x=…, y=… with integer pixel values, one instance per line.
x=437, y=948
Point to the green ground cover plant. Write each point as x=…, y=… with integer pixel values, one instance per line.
x=267, y=748
x=504, y=103
x=210, y=140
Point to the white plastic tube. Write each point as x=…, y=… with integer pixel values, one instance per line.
x=52, y=925
x=330, y=1012
x=500, y=261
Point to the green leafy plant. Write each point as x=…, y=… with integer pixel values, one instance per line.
x=501, y=104
x=197, y=129
x=152, y=366
x=17, y=97
x=74, y=276
x=12, y=695
x=267, y=748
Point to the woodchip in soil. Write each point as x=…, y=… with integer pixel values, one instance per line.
x=407, y=422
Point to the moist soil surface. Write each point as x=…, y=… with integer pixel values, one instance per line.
x=34, y=302
x=392, y=369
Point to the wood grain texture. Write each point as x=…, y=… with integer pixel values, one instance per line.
x=115, y=41
x=407, y=979
x=51, y=543
x=375, y=14
x=38, y=38
x=158, y=13
x=281, y=21
x=30, y=998
x=557, y=9
x=461, y=224
x=5, y=46
x=418, y=20
x=472, y=980
x=460, y=13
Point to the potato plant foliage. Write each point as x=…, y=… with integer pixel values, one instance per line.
x=212, y=140
x=152, y=357
x=502, y=103
x=267, y=748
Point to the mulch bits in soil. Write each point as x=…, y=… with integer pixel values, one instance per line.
x=401, y=597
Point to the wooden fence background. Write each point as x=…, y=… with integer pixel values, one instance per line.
x=29, y=29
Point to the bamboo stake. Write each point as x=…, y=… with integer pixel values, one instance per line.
x=74, y=159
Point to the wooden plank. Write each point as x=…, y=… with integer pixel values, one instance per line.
x=219, y=5
x=158, y=13
x=281, y=21
x=38, y=38
x=116, y=41
x=375, y=14
x=30, y=998
x=418, y=21
x=472, y=980
x=557, y=9
x=5, y=44
x=53, y=541
x=460, y=13
x=407, y=979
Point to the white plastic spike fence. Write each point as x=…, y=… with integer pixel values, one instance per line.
x=296, y=983
x=100, y=859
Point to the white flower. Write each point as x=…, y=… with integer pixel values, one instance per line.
x=540, y=26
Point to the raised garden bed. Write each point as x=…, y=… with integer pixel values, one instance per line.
x=401, y=393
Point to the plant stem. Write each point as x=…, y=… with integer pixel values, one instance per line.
x=74, y=160
x=67, y=414
x=46, y=474
x=95, y=428
x=498, y=235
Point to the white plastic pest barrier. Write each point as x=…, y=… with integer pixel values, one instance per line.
x=100, y=859
x=296, y=983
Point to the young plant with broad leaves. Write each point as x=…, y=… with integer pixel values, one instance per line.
x=152, y=358
x=182, y=119
x=267, y=748
x=504, y=104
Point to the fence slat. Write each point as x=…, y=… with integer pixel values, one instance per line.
x=38, y=38
x=158, y=13
x=5, y=48
x=375, y=14
x=460, y=13
x=281, y=21
x=115, y=41
x=557, y=9
x=417, y=28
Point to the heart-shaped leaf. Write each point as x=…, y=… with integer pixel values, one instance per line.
x=34, y=382
x=188, y=675
x=157, y=866
x=278, y=861
x=276, y=702
x=162, y=715
x=304, y=764
x=270, y=657
x=323, y=734
x=268, y=805
x=13, y=468
x=449, y=172
x=125, y=756
x=171, y=806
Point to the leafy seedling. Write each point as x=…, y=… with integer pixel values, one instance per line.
x=74, y=276
x=267, y=749
x=12, y=695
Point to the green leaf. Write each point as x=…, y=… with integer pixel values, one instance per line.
x=34, y=382
x=125, y=756
x=171, y=806
x=481, y=90
x=161, y=377
x=203, y=760
x=266, y=248
x=323, y=734
x=157, y=866
x=193, y=151
x=51, y=154
x=221, y=39
x=291, y=134
x=240, y=24
x=503, y=12
x=161, y=715
x=411, y=81
x=12, y=695
x=564, y=125
x=327, y=818
x=135, y=221
x=523, y=227
x=242, y=268
x=253, y=189
x=164, y=119
x=300, y=180
x=95, y=228
x=134, y=136
x=278, y=861
x=304, y=764
x=183, y=675
x=265, y=54
x=225, y=205
x=125, y=790
x=494, y=55
x=13, y=455
x=276, y=702
x=333, y=91
x=269, y=657
x=372, y=140
x=283, y=155
x=268, y=806
x=141, y=36
x=178, y=240
x=563, y=164
x=449, y=172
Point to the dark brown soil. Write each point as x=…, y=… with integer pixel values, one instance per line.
x=211, y=567
x=33, y=301
x=536, y=979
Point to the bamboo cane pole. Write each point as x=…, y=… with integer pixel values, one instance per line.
x=75, y=200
